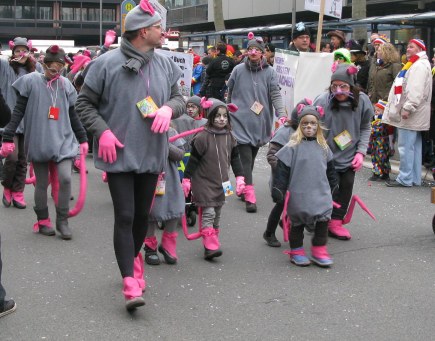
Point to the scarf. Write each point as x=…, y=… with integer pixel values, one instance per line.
x=256, y=66
x=136, y=59
x=398, y=82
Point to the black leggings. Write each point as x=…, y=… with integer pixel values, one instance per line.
x=319, y=239
x=132, y=196
x=343, y=194
x=274, y=217
x=247, y=156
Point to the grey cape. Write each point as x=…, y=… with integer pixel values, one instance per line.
x=310, y=192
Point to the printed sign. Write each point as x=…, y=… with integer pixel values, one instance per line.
x=126, y=6
x=185, y=62
x=333, y=8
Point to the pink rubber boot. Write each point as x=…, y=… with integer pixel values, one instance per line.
x=132, y=293
x=168, y=247
x=18, y=200
x=336, y=230
x=320, y=256
x=7, y=197
x=210, y=239
x=151, y=256
x=250, y=199
x=139, y=270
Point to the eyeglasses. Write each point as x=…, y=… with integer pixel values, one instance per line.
x=306, y=124
x=160, y=26
x=343, y=87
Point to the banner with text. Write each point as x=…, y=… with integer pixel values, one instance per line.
x=303, y=75
x=185, y=62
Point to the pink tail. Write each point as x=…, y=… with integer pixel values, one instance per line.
x=286, y=223
x=348, y=216
x=196, y=235
x=83, y=187
x=32, y=178
x=185, y=133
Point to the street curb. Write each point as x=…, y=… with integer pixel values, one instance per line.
x=426, y=174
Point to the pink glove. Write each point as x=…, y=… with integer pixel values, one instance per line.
x=162, y=118
x=282, y=120
x=107, y=146
x=357, y=162
x=109, y=39
x=7, y=148
x=186, y=186
x=84, y=147
x=240, y=185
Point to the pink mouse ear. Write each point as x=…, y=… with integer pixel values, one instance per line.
x=308, y=101
x=300, y=107
x=11, y=44
x=250, y=35
x=352, y=70
x=29, y=44
x=205, y=103
x=320, y=110
x=232, y=107
x=147, y=7
x=334, y=67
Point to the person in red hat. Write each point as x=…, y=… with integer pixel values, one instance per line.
x=197, y=74
x=408, y=109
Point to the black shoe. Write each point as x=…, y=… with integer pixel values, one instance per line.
x=46, y=230
x=134, y=303
x=385, y=177
x=151, y=256
x=271, y=240
x=210, y=254
x=394, y=183
x=168, y=258
x=374, y=177
x=251, y=207
x=8, y=307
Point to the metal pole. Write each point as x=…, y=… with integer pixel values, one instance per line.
x=293, y=16
x=101, y=22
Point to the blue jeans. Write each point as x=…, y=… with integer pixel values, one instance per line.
x=410, y=149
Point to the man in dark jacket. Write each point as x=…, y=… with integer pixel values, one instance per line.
x=218, y=68
x=300, y=39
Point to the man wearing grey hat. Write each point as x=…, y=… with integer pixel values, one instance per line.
x=127, y=101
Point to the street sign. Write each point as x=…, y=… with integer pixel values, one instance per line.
x=126, y=6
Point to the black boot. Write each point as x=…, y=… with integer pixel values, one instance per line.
x=62, y=223
x=44, y=224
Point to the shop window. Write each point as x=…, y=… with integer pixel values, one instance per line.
x=45, y=13
x=6, y=11
x=25, y=12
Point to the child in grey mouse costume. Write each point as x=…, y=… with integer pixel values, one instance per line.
x=306, y=169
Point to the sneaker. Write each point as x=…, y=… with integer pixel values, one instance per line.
x=8, y=307
x=299, y=260
x=394, y=183
x=322, y=262
x=271, y=240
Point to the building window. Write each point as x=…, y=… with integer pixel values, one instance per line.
x=45, y=13
x=6, y=11
x=93, y=14
x=25, y=12
x=69, y=14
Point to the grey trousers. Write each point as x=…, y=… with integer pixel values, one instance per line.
x=211, y=216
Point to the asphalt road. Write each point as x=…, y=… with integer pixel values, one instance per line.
x=381, y=286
